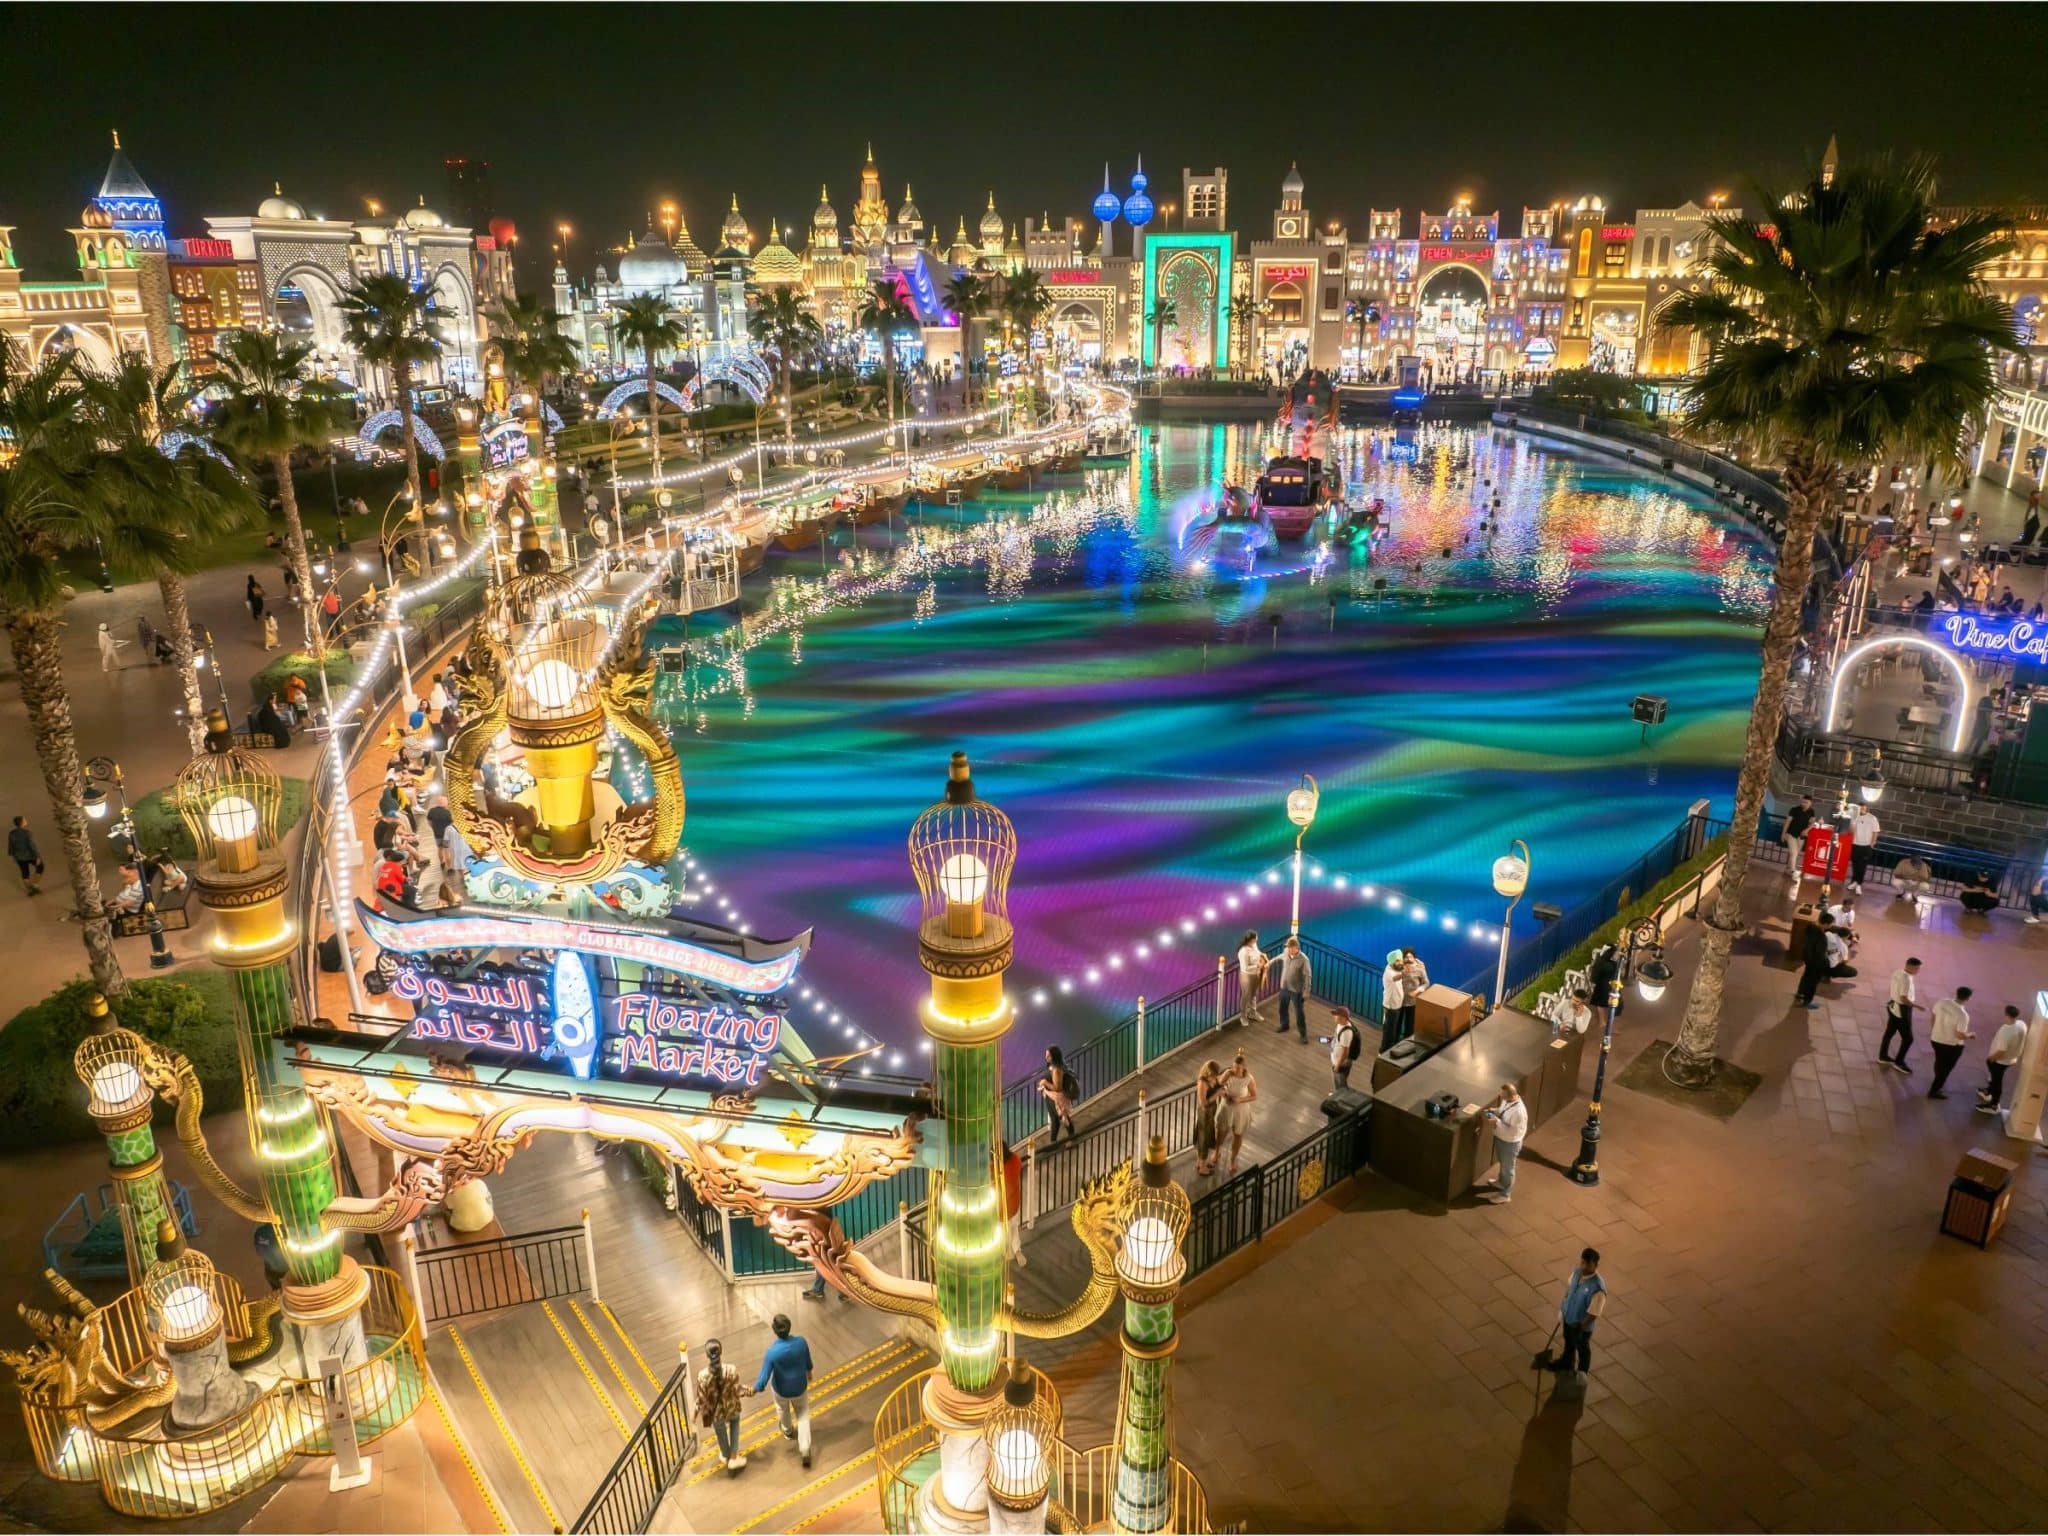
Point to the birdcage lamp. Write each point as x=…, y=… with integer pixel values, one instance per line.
x=551, y=673
x=1157, y=1224
x=179, y=1295
x=109, y=1063
x=1510, y=875
x=1302, y=801
x=228, y=798
x=962, y=851
x=1020, y=1436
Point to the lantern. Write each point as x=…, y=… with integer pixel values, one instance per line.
x=110, y=1065
x=179, y=1295
x=962, y=851
x=1652, y=977
x=1510, y=875
x=228, y=798
x=1159, y=1214
x=1020, y=1436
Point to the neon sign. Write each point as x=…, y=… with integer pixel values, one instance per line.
x=1617, y=232
x=1074, y=276
x=207, y=250
x=2021, y=640
x=494, y=1008
x=510, y=930
x=1457, y=252
x=1293, y=274
x=673, y=1038
x=505, y=444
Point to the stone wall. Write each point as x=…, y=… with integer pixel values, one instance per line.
x=2003, y=827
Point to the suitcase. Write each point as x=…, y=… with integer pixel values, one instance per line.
x=1345, y=1101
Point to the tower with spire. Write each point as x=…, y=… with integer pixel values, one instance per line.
x=871, y=210
x=120, y=242
x=1829, y=162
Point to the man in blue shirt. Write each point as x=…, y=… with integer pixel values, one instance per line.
x=1585, y=1298
x=787, y=1364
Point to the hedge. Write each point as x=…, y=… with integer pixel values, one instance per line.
x=160, y=829
x=1578, y=958
x=41, y=1098
x=341, y=671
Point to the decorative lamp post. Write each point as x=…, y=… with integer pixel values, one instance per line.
x=1301, y=810
x=555, y=719
x=1020, y=1437
x=181, y=1298
x=1651, y=981
x=1148, y=1270
x=962, y=851
x=1510, y=879
x=228, y=799
x=119, y=1099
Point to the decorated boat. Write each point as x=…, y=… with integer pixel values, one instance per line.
x=803, y=521
x=880, y=492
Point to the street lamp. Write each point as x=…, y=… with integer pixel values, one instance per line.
x=1651, y=980
x=1020, y=1436
x=1510, y=879
x=1301, y=810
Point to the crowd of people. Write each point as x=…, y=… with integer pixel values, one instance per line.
x=422, y=857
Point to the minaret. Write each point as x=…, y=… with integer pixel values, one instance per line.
x=1829, y=162
x=962, y=851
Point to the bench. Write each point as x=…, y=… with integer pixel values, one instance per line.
x=170, y=906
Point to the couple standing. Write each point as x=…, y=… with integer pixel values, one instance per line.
x=1295, y=978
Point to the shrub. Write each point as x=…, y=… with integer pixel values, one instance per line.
x=341, y=671
x=160, y=829
x=41, y=1098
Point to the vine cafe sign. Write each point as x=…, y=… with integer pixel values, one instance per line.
x=2020, y=640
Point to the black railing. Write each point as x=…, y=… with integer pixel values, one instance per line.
x=1242, y=1210
x=1842, y=755
x=1058, y=1172
x=1952, y=867
x=1653, y=446
x=500, y=1272
x=658, y=1449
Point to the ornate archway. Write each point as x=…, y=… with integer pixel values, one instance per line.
x=380, y=422
x=306, y=302
x=1916, y=642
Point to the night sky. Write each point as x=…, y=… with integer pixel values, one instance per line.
x=593, y=114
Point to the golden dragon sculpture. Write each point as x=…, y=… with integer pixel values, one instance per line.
x=1099, y=1216
x=69, y=1365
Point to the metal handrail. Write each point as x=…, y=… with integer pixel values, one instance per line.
x=658, y=1449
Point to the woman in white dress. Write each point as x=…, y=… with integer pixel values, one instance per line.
x=1240, y=1090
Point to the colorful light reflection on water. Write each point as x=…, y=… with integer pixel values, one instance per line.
x=1141, y=722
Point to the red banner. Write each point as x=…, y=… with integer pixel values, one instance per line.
x=1457, y=252
x=1618, y=232
x=208, y=250
x=1826, y=854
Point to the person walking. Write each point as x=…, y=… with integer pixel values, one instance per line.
x=110, y=650
x=2005, y=1050
x=1797, y=820
x=1251, y=976
x=252, y=594
x=1898, y=1016
x=1059, y=1088
x=1510, y=1117
x=718, y=1405
x=1863, y=830
x=1294, y=983
x=1948, y=1029
x=1585, y=1298
x=787, y=1366
x=1240, y=1092
x=21, y=847
x=1393, y=1002
x=270, y=631
x=1013, y=1206
x=1208, y=1116
x=1344, y=1049
x=1813, y=958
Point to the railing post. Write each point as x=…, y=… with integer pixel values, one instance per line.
x=590, y=1256
x=1141, y=1031
x=725, y=1241
x=1143, y=1143
x=1030, y=1190
x=410, y=1262
x=689, y=1392
x=903, y=1238
x=1219, y=991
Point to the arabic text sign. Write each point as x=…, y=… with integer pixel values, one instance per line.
x=493, y=1007
x=2020, y=640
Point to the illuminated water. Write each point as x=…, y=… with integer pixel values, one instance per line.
x=1142, y=724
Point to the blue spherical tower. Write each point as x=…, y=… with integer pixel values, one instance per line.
x=1138, y=207
x=1107, y=204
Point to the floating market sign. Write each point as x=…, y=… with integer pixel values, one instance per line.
x=673, y=1038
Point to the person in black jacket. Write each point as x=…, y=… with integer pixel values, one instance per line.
x=1797, y=820
x=1813, y=955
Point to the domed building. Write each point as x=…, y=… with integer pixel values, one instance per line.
x=688, y=251
x=734, y=234
x=777, y=266
x=992, y=232
x=907, y=233
x=278, y=206
x=651, y=267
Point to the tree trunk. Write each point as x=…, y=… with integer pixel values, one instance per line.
x=178, y=622
x=1807, y=484
x=403, y=375
x=295, y=551
x=654, y=423
x=33, y=636
x=889, y=363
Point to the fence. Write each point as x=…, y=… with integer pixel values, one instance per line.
x=1953, y=867
x=503, y=1272
x=1666, y=450
x=745, y=1251
x=658, y=1449
x=1244, y=1209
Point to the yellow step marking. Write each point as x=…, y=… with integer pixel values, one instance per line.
x=753, y=1420
x=631, y=1348
x=476, y=1475
x=491, y=1405
x=830, y=1477
x=888, y=1370
x=618, y=1423
x=639, y=1404
x=837, y=1504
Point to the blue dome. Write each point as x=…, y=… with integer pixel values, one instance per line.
x=1106, y=206
x=1138, y=207
x=1139, y=180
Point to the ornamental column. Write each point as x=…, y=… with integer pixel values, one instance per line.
x=962, y=851
x=228, y=799
x=109, y=1063
x=1149, y=1271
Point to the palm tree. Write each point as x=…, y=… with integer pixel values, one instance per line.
x=139, y=404
x=886, y=313
x=1244, y=309
x=789, y=328
x=1025, y=303
x=275, y=406
x=392, y=324
x=1164, y=312
x=645, y=321
x=968, y=296
x=529, y=338
x=62, y=489
x=1847, y=332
